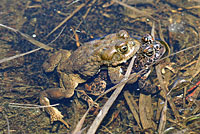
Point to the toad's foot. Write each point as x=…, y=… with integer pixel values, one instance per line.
x=82, y=94
x=54, y=113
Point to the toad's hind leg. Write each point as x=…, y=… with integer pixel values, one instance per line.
x=53, y=93
x=68, y=82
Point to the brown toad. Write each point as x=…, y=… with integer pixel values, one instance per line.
x=86, y=61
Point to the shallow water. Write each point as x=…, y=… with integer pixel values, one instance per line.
x=22, y=79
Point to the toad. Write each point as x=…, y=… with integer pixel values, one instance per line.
x=86, y=61
x=151, y=51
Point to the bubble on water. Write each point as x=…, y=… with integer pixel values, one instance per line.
x=34, y=35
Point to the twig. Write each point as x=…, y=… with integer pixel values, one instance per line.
x=73, y=2
x=141, y=13
x=188, y=8
x=88, y=10
x=18, y=55
x=107, y=129
x=162, y=38
x=110, y=101
x=197, y=68
x=7, y=121
x=30, y=39
x=80, y=123
x=153, y=30
x=84, y=17
x=165, y=90
x=29, y=105
x=35, y=42
x=57, y=36
x=163, y=118
x=133, y=107
x=189, y=64
x=66, y=19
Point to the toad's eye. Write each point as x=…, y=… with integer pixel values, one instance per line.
x=157, y=47
x=145, y=39
x=123, y=49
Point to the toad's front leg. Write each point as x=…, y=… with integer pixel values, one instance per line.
x=116, y=75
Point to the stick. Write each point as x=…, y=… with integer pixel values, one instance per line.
x=66, y=19
x=30, y=39
x=33, y=41
x=141, y=13
x=110, y=101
